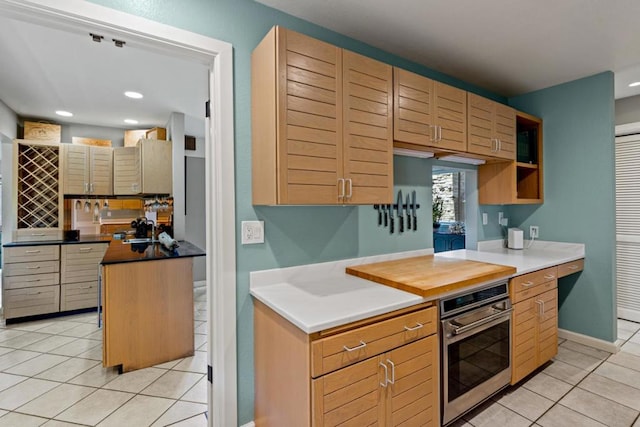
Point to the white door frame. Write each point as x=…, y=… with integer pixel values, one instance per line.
x=220, y=186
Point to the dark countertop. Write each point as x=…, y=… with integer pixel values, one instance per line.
x=105, y=238
x=119, y=252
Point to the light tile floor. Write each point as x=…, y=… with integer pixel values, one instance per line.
x=582, y=387
x=51, y=375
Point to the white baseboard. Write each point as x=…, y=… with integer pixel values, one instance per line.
x=627, y=314
x=250, y=424
x=587, y=340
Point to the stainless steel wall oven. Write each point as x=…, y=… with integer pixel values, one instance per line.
x=476, y=347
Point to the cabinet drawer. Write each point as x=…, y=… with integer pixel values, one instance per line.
x=32, y=253
x=570, y=267
x=31, y=301
x=25, y=268
x=337, y=351
x=531, y=284
x=74, y=296
x=36, y=234
x=31, y=280
x=80, y=263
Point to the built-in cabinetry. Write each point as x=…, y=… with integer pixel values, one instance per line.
x=492, y=128
x=535, y=317
x=427, y=113
x=79, y=275
x=518, y=181
x=143, y=169
x=382, y=371
x=443, y=242
x=322, y=123
x=38, y=195
x=30, y=283
x=87, y=170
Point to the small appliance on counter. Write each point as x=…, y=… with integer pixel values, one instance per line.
x=515, y=239
x=141, y=227
x=167, y=241
x=71, y=235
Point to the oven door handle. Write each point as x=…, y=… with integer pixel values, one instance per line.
x=463, y=329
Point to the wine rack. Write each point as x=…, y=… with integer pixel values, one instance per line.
x=38, y=186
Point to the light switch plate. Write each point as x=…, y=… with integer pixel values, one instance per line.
x=485, y=219
x=252, y=232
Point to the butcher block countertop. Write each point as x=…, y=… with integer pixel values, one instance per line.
x=430, y=276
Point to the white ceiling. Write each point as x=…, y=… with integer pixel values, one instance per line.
x=510, y=47
x=48, y=69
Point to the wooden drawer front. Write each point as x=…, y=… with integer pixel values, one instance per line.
x=37, y=235
x=32, y=253
x=570, y=267
x=25, y=268
x=80, y=263
x=532, y=284
x=351, y=395
x=31, y=301
x=75, y=296
x=329, y=354
x=31, y=280
x=415, y=394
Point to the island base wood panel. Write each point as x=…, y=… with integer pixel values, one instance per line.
x=148, y=312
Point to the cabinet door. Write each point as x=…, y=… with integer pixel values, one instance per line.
x=481, y=138
x=368, y=130
x=101, y=168
x=309, y=147
x=157, y=166
x=126, y=170
x=351, y=396
x=413, y=397
x=450, y=114
x=523, y=339
x=505, y=131
x=412, y=108
x=547, y=332
x=75, y=161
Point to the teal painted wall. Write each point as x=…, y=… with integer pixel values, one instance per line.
x=579, y=195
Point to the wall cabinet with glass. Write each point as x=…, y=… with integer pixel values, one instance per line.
x=519, y=181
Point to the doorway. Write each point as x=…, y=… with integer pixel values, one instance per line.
x=219, y=168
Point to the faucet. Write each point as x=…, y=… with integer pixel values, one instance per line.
x=153, y=229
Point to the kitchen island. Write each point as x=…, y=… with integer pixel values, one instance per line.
x=147, y=303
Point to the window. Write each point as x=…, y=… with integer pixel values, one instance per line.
x=449, y=187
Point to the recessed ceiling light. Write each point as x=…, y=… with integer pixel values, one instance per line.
x=131, y=121
x=64, y=113
x=634, y=84
x=134, y=95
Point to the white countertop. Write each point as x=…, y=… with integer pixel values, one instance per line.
x=316, y=297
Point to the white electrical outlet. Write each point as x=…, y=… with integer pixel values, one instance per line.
x=500, y=216
x=505, y=222
x=485, y=218
x=252, y=232
x=534, y=232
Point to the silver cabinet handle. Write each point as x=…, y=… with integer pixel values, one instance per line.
x=499, y=145
x=85, y=287
x=433, y=136
x=33, y=268
x=37, y=234
x=34, y=251
x=439, y=133
x=549, y=276
x=350, y=181
x=573, y=267
x=31, y=281
x=393, y=372
x=386, y=375
x=341, y=181
x=91, y=187
x=35, y=293
x=527, y=284
x=544, y=310
x=86, y=187
x=85, y=249
x=358, y=347
x=415, y=328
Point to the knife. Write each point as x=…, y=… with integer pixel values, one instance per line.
x=413, y=209
x=386, y=216
x=390, y=209
x=378, y=208
x=408, y=211
x=400, y=216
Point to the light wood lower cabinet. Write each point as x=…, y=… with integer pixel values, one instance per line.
x=535, y=321
x=79, y=275
x=382, y=371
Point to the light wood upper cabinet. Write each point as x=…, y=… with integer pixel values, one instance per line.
x=492, y=128
x=368, y=130
x=309, y=148
x=429, y=113
x=87, y=170
x=143, y=169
